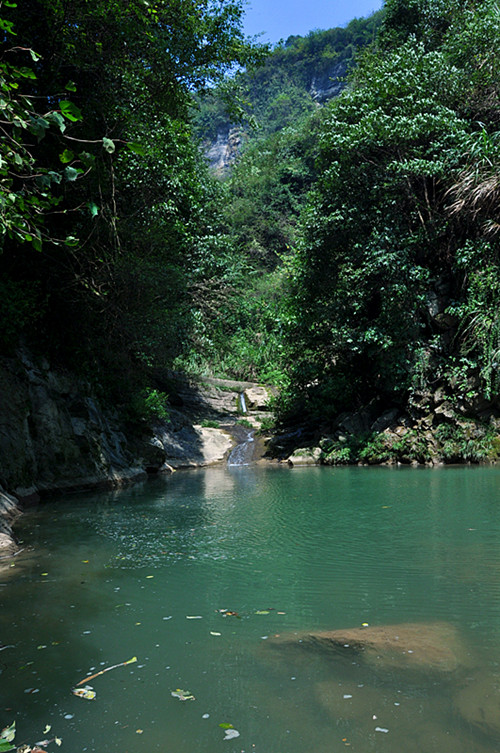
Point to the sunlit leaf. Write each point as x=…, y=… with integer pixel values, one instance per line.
x=109, y=145
x=70, y=110
x=67, y=156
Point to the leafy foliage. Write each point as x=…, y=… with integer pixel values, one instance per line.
x=403, y=218
x=111, y=169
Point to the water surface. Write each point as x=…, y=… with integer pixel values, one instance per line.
x=145, y=572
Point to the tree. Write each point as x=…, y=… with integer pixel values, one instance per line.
x=136, y=190
x=404, y=169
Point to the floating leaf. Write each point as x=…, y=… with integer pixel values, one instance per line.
x=226, y=725
x=194, y=617
x=58, y=741
x=213, y=633
x=47, y=729
x=230, y=734
x=85, y=692
x=262, y=611
x=8, y=733
x=182, y=695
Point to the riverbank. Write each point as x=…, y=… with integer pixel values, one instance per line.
x=57, y=436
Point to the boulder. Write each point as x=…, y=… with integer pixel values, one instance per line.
x=305, y=456
x=258, y=397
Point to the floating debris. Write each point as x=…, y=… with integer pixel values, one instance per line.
x=229, y=731
x=182, y=695
x=107, y=669
x=87, y=692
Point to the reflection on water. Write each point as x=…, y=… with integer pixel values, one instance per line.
x=145, y=572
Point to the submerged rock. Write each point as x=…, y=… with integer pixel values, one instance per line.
x=479, y=703
x=419, y=646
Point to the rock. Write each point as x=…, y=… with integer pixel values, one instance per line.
x=479, y=703
x=9, y=510
x=55, y=434
x=421, y=646
x=329, y=84
x=305, y=456
x=222, y=152
x=386, y=420
x=258, y=397
x=190, y=446
x=355, y=423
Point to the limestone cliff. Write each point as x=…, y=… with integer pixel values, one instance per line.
x=54, y=433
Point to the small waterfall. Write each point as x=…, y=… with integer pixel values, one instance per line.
x=242, y=403
x=242, y=454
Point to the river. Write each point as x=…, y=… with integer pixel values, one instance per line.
x=155, y=571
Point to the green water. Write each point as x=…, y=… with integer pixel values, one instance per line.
x=110, y=576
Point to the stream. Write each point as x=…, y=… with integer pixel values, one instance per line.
x=215, y=579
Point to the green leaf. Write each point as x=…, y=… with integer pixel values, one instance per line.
x=66, y=156
x=70, y=240
x=93, y=209
x=70, y=110
x=34, y=55
x=27, y=73
x=4, y=746
x=57, y=118
x=109, y=145
x=87, y=159
x=7, y=26
x=137, y=148
x=71, y=173
x=70, y=86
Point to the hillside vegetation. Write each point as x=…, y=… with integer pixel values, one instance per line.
x=350, y=257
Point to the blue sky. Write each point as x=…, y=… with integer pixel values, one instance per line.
x=279, y=19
